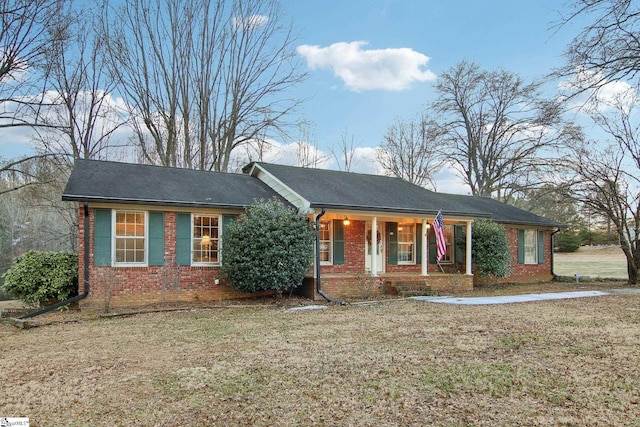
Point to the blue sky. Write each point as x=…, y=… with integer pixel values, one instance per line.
x=516, y=35
x=371, y=62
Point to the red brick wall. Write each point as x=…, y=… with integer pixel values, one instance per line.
x=349, y=280
x=353, y=250
x=112, y=288
x=360, y=286
x=524, y=273
x=117, y=287
x=354, y=253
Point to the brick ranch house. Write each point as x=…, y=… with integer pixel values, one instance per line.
x=150, y=234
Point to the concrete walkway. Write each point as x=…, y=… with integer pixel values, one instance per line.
x=508, y=299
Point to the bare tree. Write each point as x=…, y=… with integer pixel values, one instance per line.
x=411, y=150
x=20, y=173
x=202, y=78
x=255, y=150
x=84, y=116
x=496, y=127
x=605, y=175
x=608, y=48
x=345, y=152
x=24, y=39
x=308, y=155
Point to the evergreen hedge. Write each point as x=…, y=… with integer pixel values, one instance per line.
x=37, y=277
x=490, y=249
x=270, y=247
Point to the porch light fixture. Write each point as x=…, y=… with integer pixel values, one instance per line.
x=346, y=221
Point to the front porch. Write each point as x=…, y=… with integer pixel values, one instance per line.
x=366, y=254
x=349, y=285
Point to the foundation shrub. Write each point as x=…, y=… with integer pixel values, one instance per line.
x=269, y=248
x=37, y=277
x=490, y=249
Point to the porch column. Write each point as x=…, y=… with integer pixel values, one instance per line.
x=469, y=272
x=424, y=258
x=374, y=246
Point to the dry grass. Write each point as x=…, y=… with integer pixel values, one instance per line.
x=594, y=261
x=568, y=363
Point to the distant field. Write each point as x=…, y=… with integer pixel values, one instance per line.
x=593, y=261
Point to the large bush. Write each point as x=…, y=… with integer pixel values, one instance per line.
x=490, y=249
x=566, y=241
x=269, y=248
x=36, y=277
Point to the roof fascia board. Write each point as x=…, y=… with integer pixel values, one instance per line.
x=143, y=202
x=399, y=211
x=164, y=208
x=290, y=195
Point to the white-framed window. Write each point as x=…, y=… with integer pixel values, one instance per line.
x=406, y=243
x=449, y=237
x=205, y=239
x=130, y=238
x=530, y=246
x=325, y=235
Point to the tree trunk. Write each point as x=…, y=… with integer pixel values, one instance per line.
x=632, y=266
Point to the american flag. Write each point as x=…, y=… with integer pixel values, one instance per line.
x=441, y=242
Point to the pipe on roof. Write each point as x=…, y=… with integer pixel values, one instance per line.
x=86, y=274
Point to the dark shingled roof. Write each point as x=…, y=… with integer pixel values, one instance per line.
x=113, y=182
x=504, y=213
x=346, y=190
x=341, y=190
x=101, y=181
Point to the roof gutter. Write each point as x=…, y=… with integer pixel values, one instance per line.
x=551, y=251
x=396, y=210
x=318, y=282
x=86, y=274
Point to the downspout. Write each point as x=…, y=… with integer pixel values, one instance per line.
x=86, y=274
x=551, y=253
x=318, y=283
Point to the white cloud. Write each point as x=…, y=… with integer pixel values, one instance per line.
x=608, y=95
x=448, y=180
x=249, y=22
x=299, y=153
x=364, y=161
x=372, y=69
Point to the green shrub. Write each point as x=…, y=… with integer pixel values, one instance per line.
x=36, y=277
x=566, y=241
x=269, y=248
x=490, y=249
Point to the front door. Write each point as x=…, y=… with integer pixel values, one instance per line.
x=374, y=243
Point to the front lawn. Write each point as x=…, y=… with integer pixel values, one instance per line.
x=566, y=362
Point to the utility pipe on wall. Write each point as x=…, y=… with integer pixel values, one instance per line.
x=318, y=282
x=85, y=272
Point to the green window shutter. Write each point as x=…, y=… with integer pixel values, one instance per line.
x=338, y=242
x=392, y=233
x=433, y=248
x=418, y=243
x=460, y=239
x=156, y=238
x=227, y=220
x=183, y=238
x=102, y=237
x=520, y=246
x=540, y=247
